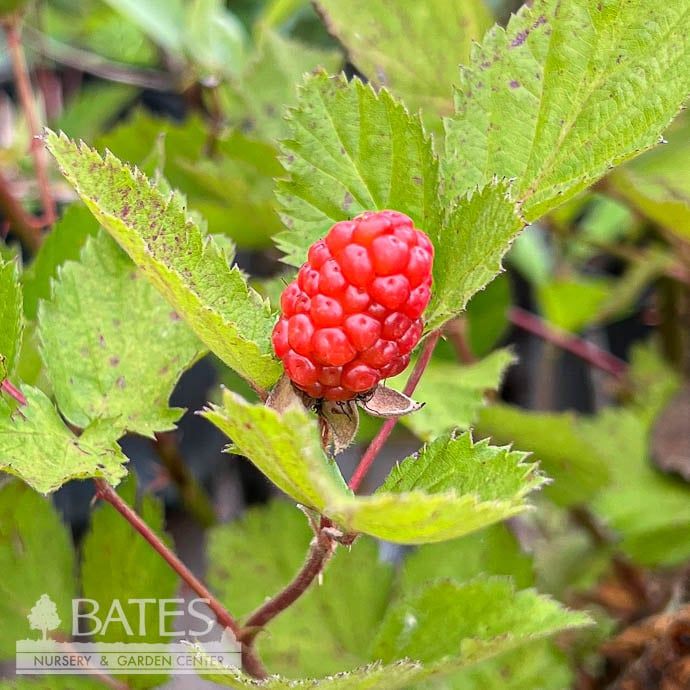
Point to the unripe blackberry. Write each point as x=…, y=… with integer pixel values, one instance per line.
x=353, y=315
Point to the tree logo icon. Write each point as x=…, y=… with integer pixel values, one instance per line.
x=44, y=616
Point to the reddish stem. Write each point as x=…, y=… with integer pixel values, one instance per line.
x=322, y=548
x=28, y=103
x=380, y=439
x=585, y=350
x=12, y=391
x=107, y=493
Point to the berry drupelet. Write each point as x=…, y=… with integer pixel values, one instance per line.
x=353, y=315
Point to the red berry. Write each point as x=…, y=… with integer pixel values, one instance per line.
x=353, y=315
x=280, y=338
x=359, y=377
x=330, y=376
x=326, y=311
x=308, y=279
x=395, y=326
x=391, y=291
x=300, y=332
x=362, y=330
x=416, y=304
x=300, y=369
x=340, y=235
x=390, y=255
x=331, y=280
x=356, y=265
x=355, y=299
x=318, y=254
x=332, y=348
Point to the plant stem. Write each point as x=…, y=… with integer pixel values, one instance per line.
x=12, y=391
x=23, y=224
x=104, y=491
x=585, y=350
x=380, y=439
x=28, y=103
x=91, y=63
x=322, y=548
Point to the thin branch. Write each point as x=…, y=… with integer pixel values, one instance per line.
x=380, y=439
x=22, y=223
x=85, y=61
x=585, y=350
x=320, y=551
x=28, y=103
x=108, y=494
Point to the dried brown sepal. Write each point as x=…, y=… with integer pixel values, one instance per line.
x=386, y=402
x=284, y=395
x=339, y=424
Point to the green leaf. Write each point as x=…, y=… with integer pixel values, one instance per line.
x=37, y=447
x=649, y=510
x=257, y=99
x=479, y=619
x=286, y=448
x=112, y=345
x=438, y=36
x=36, y=558
x=117, y=564
x=10, y=316
x=565, y=92
x=93, y=108
x=577, y=468
x=397, y=676
x=191, y=272
x=478, y=485
x=572, y=304
x=63, y=243
x=452, y=487
x=214, y=38
x=133, y=139
x=351, y=150
x=233, y=190
x=162, y=20
x=658, y=183
x=491, y=551
x=457, y=463
x=327, y=630
x=538, y=665
x=453, y=394
x=470, y=244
